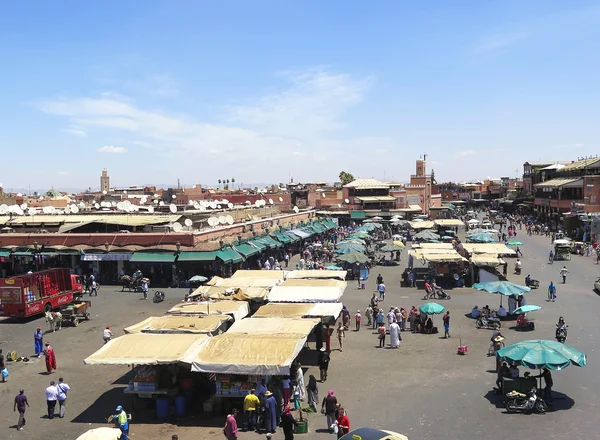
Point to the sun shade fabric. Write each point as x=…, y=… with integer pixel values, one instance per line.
x=147, y=349
x=197, y=256
x=246, y=250
x=237, y=309
x=299, y=310
x=300, y=327
x=323, y=282
x=449, y=222
x=306, y=294
x=263, y=274
x=300, y=233
x=283, y=238
x=179, y=324
x=316, y=274
x=228, y=255
x=357, y=215
x=486, y=260
x=488, y=248
x=538, y=354
x=422, y=225
x=292, y=236
x=233, y=293
x=243, y=354
x=152, y=257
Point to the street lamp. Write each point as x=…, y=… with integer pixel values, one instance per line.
x=174, y=271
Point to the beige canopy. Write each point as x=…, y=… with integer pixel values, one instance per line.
x=314, y=283
x=437, y=255
x=299, y=310
x=147, y=349
x=268, y=326
x=235, y=293
x=238, y=353
x=429, y=246
x=272, y=274
x=304, y=294
x=448, y=222
x=237, y=309
x=209, y=324
x=427, y=224
x=311, y=274
x=488, y=248
x=486, y=260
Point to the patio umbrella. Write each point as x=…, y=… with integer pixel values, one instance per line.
x=502, y=287
x=398, y=243
x=427, y=236
x=432, y=308
x=354, y=257
x=350, y=249
x=526, y=309
x=515, y=243
x=391, y=248
x=538, y=354
x=351, y=241
x=198, y=279
x=481, y=238
x=377, y=218
x=103, y=433
x=359, y=234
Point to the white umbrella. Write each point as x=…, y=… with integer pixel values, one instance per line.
x=104, y=433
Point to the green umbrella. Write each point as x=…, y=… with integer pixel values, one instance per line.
x=432, y=308
x=391, y=248
x=349, y=249
x=354, y=257
x=515, y=243
x=359, y=234
x=354, y=241
x=526, y=309
x=538, y=354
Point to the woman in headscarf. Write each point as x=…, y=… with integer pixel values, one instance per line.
x=288, y=423
x=313, y=392
x=50, y=358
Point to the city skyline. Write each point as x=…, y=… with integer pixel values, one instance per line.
x=480, y=88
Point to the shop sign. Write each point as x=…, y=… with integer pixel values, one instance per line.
x=106, y=257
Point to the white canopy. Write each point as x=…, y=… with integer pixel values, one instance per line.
x=300, y=233
x=299, y=310
x=237, y=309
x=310, y=274
x=268, y=326
x=306, y=294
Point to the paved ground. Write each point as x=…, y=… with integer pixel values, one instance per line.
x=424, y=389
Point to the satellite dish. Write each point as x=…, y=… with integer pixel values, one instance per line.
x=188, y=222
x=120, y=206
x=177, y=227
x=74, y=209
x=248, y=202
x=151, y=209
x=81, y=205
x=173, y=196
x=296, y=209
x=97, y=205
x=41, y=197
x=161, y=203
x=172, y=208
x=125, y=192
x=257, y=204
x=230, y=205
x=113, y=204
x=3, y=209
x=225, y=202
x=346, y=201
x=270, y=201
x=104, y=192
x=323, y=195
x=24, y=206
x=229, y=220
x=67, y=209
x=222, y=219
x=281, y=199
x=218, y=206
x=32, y=211
x=213, y=221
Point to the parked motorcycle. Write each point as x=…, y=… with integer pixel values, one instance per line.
x=489, y=323
x=158, y=297
x=519, y=402
x=561, y=333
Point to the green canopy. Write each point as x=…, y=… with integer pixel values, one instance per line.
x=515, y=243
x=526, y=309
x=538, y=354
x=391, y=248
x=432, y=308
x=354, y=257
x=350, y=249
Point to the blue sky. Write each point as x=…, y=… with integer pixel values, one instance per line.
x=264, y=90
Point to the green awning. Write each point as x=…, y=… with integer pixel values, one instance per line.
x=261, y=247
x=4, y=254
x=270, y=242
x=23, y=254
x=309, y=231
x=153, y=257
x=228, y=255
x=356, y=215
x=197, y=256
x=246, y=250
x=283, y=238
x=293, y=237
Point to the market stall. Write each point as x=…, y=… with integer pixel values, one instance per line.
x=272, y=274
x=236, y=309
x=268, y=326
x=172, y=324
x=316, y=274
x=326, y=311
x=306, y=294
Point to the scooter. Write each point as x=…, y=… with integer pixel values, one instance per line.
x=489, y=323
x=561, y=333
x=518, y=402
x=158, y=297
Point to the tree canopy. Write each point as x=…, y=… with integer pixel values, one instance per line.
x=346, y=178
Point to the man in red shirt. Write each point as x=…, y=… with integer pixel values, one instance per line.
x=343, y=423
x=231, y=429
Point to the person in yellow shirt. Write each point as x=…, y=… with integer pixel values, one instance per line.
x=251, y=407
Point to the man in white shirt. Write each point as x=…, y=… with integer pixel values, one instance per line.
x=51, y=398
x=62, y=389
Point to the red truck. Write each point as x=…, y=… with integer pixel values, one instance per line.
x=38, y=292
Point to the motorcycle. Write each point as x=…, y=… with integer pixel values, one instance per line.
x=489, y=323
x=561, y=333
x=518, y=402
x=158, y=297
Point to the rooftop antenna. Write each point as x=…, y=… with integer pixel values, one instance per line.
x=178, y=184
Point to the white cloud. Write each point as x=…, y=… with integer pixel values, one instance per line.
x=297, y=153
x=497, y=42
x=76, y=132
x=466, y=153
x=111, y=149
x=63, y=173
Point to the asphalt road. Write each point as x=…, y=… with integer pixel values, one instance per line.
x=424, y=389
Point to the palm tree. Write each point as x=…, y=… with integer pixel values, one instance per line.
x=219, y=183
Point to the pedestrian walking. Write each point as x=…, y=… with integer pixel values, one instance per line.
x=231, y=430
x=343, y=423
x=563, y=273
x=323, y=361
x=357, y=318
x=381, y=289
x=38, y=342
x=312, y=390
x=551, y=292
x=288, y=423
x=50, y=358
x=369, y=314
x=251, y=407
x=20, y=405
x=63, y=388
x=3, y=367
x=381, y=332
x=145, y=289
x=446, y=320
x=94, y=289
x=270, y=413
x=341, y=334
x=328, y=408
x=51, y=399
x=287, y=393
